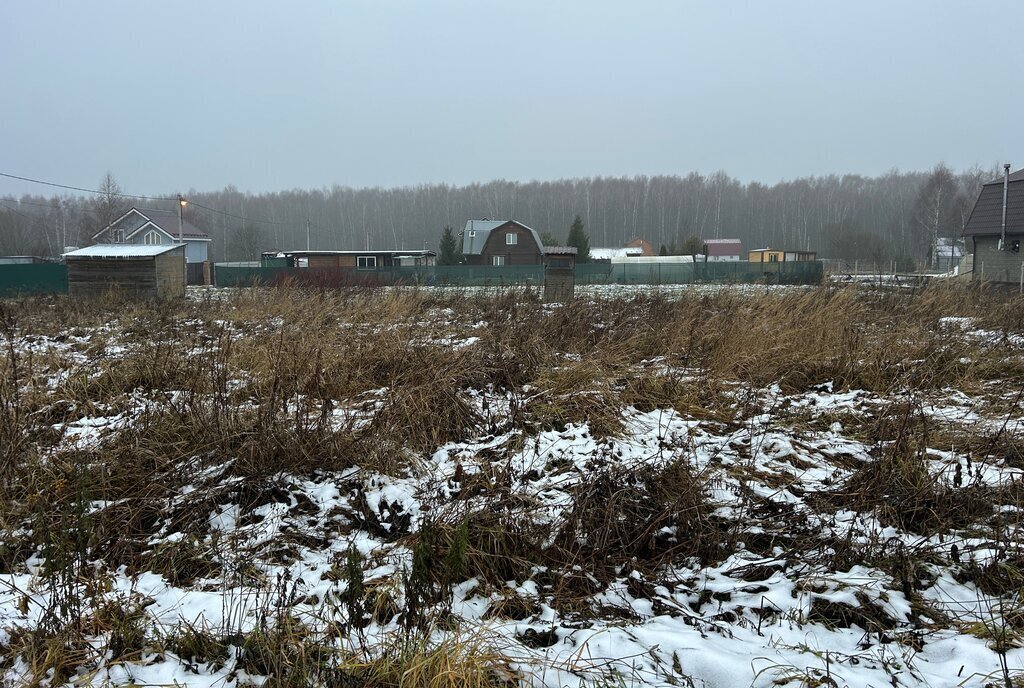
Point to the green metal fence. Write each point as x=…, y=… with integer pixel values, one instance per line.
x=34, y=278
x=454, y=275
x=738, y=272
x=732, y=272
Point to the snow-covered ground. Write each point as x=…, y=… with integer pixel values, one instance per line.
x=808, y=589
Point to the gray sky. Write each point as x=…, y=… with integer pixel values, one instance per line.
x=278, y=95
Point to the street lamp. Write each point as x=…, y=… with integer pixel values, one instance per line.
x=181, y=237
x=181, y=222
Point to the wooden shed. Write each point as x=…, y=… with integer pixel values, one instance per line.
x=559, y=273
x=145, y=271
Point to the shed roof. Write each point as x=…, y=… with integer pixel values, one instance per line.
x=987, y=215
x=560, y=250
x=123, y=251
x=476, y=232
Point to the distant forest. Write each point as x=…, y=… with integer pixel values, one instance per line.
x=896, y=216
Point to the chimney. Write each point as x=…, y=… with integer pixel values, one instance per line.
x=1006, y=186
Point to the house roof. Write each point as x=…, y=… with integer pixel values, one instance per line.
x=987, y=215
x=401, y=253
x=476, y=233
x=164, y=220
x=123, y=251
x=723, y=247
x=607, y=253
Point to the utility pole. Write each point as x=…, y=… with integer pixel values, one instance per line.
x=181, y=237
x=307, y=233
x=181, y=219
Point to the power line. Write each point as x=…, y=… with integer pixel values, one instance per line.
x=145, y=198
x=239, y=217
x=92, y=191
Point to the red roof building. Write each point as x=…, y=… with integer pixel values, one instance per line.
x=716, y=250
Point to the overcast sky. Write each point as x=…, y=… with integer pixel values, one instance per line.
x=277, y=95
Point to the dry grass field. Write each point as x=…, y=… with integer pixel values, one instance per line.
x=810, y=487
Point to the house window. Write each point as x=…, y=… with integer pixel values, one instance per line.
x=772, y=258
x=511, y=239
x=497, y=260
x=151, y=238
x=117, y=236
x=366, y=263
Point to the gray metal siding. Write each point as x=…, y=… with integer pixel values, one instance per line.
x=994, y=265
x=196, y=251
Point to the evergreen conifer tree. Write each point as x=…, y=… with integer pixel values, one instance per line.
x=448, y=252
x=579, y=239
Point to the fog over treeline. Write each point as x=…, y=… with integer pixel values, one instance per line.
x=894, y=216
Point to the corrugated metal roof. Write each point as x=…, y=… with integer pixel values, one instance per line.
x=475, y=234
x=123, y=251
x=987, y=215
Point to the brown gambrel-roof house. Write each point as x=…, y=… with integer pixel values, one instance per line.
x=994, y=259
x=501, y=242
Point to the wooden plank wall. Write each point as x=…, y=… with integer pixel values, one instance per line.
x=559, y=284
x=146, y=277
x=170, y=275
x=524, y=252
